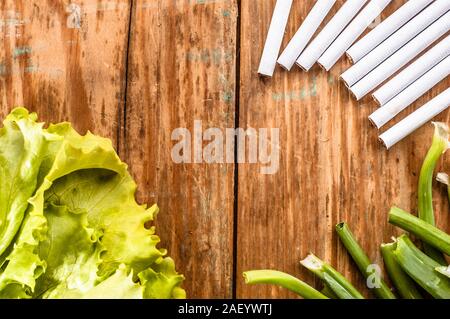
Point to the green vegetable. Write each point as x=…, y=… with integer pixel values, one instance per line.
x=429, y=234
x=284, y=280
x=332, y=278
x=23, y=147
x=78, y=231
x=425, y=192
x=328, y=292
x=362, y=260
x=444, y=270
x=404, y=284
x=421, y=268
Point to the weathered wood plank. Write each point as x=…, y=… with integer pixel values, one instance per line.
x=332, y=167
x=182, y=69
x=68, y=62
x=65, y=61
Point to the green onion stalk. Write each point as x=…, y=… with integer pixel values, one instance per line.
x=405, y=286
x=422, y=268
x=332, y=279
x=444, y=270
x=328, y=292
x=444, y=179
x=284, y=280
x=431, y=235
x=362, y=260
x=425, y=201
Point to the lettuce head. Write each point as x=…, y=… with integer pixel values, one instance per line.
x=70, y=226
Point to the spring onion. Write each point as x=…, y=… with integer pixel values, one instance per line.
x=361, y=259
x=328, y=292
x=439, y=145
x=284, y=280
x=444, y=270
x=332, y=278
x=405, y=285
x=431, y=235
x=421, y=268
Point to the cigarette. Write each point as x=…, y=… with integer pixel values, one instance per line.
x=352, y=32
x=400, y=58
x=385, y=29
x=413, y=72
x=418, y=118
x=305, y=33
x=330, y=32
x=274, y=37
x=387, y=112
x=395, y=41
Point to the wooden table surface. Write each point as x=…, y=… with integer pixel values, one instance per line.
x=134, y=71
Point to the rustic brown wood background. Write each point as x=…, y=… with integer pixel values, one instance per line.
x=136, y=70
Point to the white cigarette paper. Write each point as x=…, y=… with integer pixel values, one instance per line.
x=352, y=32
x=412, y=122
x=305, y=33
x=387, y=112
x=386, y=28
x=400, y=58
x=274, y=37
x=341, y=19
x=413, y=72
x=395, y=41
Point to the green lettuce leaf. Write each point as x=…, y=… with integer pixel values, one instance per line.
x=23, y=144
x=79, y=232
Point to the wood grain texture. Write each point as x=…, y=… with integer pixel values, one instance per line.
x=332, y=166
x=135, y=70
x=182, y=68
x=65, y=61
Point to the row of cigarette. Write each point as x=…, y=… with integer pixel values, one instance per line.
x=377, y=56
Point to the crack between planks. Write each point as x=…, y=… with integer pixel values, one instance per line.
x=236, y=165
x=123, y=113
